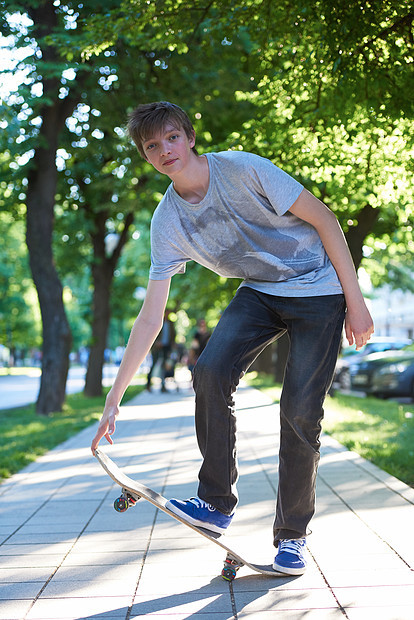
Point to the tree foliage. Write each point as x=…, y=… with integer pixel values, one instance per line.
x=19, y=320
x=333, y=103
x=360, y=165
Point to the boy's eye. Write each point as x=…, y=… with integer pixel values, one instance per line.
x=174, y=137
x=150, y=146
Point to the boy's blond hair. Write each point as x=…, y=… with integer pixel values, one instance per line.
x=148, y=119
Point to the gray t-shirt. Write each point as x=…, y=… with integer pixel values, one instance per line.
x=242, y=229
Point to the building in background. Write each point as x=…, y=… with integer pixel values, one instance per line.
x=392, y=312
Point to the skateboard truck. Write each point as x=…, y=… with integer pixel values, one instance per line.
x=231, y=566
x=125, y=501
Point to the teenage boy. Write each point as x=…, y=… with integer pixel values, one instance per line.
x=241, y=216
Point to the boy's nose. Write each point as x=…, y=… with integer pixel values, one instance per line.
x=165, y=148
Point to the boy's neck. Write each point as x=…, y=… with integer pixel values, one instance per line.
x=192, y=183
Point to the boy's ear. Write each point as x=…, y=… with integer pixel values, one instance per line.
x=192, y=140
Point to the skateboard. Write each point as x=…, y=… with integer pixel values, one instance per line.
x=132, y=491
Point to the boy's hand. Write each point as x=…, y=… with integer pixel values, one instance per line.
x=106, y=426
x=359, y=326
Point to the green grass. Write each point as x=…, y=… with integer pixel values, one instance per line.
x=381, y=431
x=27, y=435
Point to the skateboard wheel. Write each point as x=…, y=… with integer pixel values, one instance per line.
x=231, y=566
x=121, y=504
x=228, y=573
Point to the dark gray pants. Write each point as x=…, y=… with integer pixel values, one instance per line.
x=251, y=322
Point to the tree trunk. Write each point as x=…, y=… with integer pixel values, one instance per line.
x=56, y=331
x=102, y=278
x=40, y=202
x=356, y=235
x=102, y=274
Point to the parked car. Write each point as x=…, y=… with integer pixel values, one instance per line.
x=386, y=374
x=350, y=355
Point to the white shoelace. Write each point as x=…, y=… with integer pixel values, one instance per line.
x=292, y=546
x=200, y=503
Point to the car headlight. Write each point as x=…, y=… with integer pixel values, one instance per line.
x=394, y=368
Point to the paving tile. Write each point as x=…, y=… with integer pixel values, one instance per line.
x=280, y=599
x=78, y=608
x=185, y=616
x=32, y=561
x=14, y=609
x=65, y=512
x=373, y=561
x=173, y=584
x=103, y=558
x=103, y=572
x=160, y=571
x=374, y=596
x=126, y=543
x=247, y=581
x=357, y=577
x=395, y=612
x=188, y=602
x=41, y=538
x=13, y=505
x=107, y=519
x=89, y=588
x=35, y=548
x=49, y=528
x=195, y=555
x=16, y=574
x=179, y=543
x=288, y=614
x=7, y=529
x=19, y=590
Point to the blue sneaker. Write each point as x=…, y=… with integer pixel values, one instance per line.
x=198, y=512
x=290, y=558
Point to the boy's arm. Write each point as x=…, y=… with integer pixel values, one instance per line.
x=358, y=322
x=144, y=331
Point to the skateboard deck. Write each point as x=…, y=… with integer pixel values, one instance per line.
x=132, y=491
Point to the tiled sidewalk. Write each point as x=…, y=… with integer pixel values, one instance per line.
x=66, y=554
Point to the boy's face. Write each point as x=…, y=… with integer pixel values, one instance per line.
x=169, y=151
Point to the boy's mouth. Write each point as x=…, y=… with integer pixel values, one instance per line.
x=169, y=162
